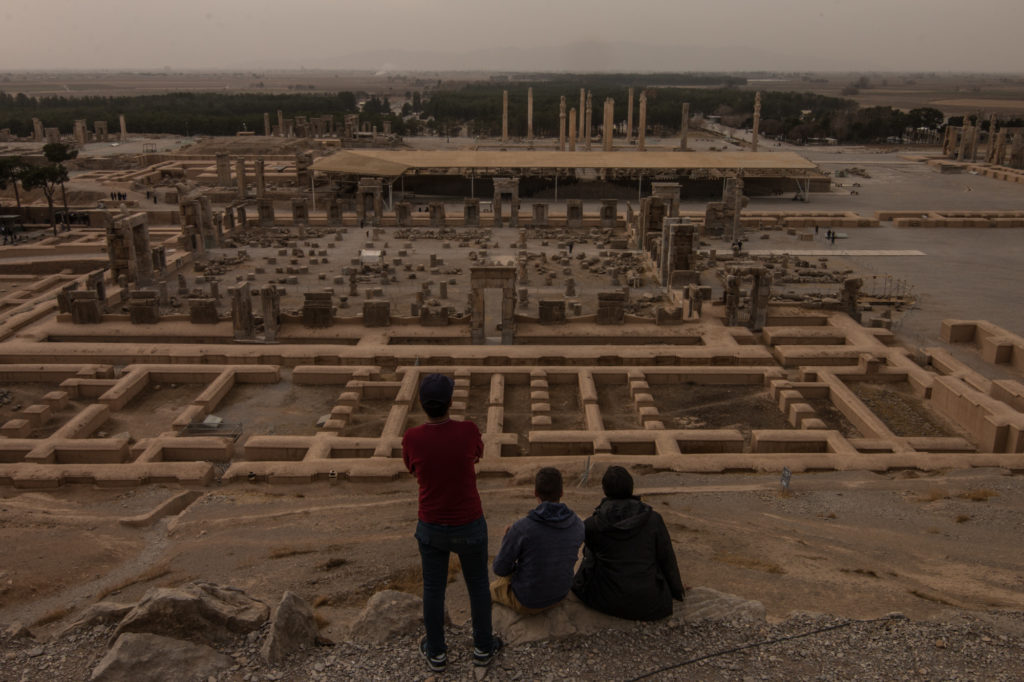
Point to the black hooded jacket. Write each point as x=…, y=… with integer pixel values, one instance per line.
x=629, y=568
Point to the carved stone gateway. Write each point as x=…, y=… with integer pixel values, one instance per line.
x=471, y=213
x=609, y=212
x=493, y=277
x=551, y=312
x=574, y=212
x=369, y=201
x=265, y=207
x=317, y=309
x=506, y=192
x=376, y=313
x=611, y=308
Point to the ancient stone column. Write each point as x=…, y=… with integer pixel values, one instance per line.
x=504, y=115
x=965, y=134
x=581, y=110
x=261, y=186
x=589, y=121
x=641, y=133
x=124, y=128
x=266, y=124
x=1000, y=152
x=37, y=130
x=561, y=125
x=757, y=121
x=223, y=169
x=609, y=122
x=975, y=133
x=270, y=297
x=572, y=129
x=243, y=325
x=991, y=151
x=629, y=117
x=240, y=173
x=684, y=129
x=529, y=113
x=280, y=123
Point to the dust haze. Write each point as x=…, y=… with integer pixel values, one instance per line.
x=529, y=35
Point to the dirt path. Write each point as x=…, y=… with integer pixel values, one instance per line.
x=851, y=544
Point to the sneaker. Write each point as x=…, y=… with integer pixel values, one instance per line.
x=438, y=663
x=481, y=657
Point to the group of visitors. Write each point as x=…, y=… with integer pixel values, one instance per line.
x=8, y=233
x=628, y=569
x=119, y=196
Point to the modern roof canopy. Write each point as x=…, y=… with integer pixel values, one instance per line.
x=388, y=163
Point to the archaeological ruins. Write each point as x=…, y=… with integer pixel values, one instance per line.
x=261, y=309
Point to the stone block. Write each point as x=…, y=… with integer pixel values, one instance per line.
x=57, y=400
x=16, y=428
x=37, y=414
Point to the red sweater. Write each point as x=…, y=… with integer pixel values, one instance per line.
x=441, y=456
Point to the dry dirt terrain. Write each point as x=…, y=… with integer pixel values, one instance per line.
x=942, y=549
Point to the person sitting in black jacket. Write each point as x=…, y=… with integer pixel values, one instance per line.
x=629, y=567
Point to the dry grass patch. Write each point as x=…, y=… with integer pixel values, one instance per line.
x=978, y=495
x=933, y=494
x=748, y=562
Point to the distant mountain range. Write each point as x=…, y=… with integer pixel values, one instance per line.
x=588, y=57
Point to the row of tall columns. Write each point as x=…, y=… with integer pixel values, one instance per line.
x=580, y=121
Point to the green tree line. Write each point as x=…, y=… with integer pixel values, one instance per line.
x=178, y=113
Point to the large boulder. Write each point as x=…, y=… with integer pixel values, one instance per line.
x=292, y=628
x=572, y=617
x=200, y=612
x=388, y=614
x=141, y=657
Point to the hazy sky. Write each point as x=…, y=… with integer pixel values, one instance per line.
x=941, y=35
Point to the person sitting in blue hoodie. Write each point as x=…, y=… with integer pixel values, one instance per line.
x=539, y=552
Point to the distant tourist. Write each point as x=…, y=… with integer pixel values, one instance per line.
x=442, y=454
x=629, y=567
x=539, y=551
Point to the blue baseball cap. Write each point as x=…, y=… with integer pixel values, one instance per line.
x=436, y=388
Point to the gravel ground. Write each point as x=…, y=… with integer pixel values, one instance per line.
x=979, y=646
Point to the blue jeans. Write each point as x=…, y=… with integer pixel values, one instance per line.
x=469, y=542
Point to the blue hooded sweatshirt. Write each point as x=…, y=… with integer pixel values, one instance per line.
x=539, y=552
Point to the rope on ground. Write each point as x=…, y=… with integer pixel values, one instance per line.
x=766, y=642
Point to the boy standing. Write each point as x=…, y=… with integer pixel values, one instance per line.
x=441, y=454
